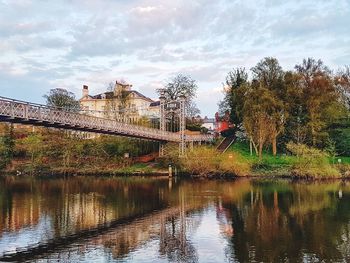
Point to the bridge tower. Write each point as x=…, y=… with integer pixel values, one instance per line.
x=176, y=107
x=162, y=120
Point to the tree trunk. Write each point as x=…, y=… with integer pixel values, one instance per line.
x=251, y=147
x=274, y=145
x=260, y=150
x=254, y=145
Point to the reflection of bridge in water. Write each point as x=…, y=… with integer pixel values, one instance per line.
x=120, y=236
x=22, y=112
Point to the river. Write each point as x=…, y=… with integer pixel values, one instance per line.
x=134, y=219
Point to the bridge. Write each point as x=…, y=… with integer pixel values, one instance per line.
x=27, y=113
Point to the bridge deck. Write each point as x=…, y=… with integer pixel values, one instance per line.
x=40, y=115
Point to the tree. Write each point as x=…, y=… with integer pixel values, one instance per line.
x=182, y=85
x=62, y=99
x=295, y=130
x=234, y=89
x=176, y=87
x=117, y=103
x=319, y=95
x=7, y=146
x=34, y=148
x=342, y=81
x=192, y=110
x=257, y=119
x=269, y=75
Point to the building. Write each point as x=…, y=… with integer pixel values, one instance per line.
x=123, y=104
x=209, y=123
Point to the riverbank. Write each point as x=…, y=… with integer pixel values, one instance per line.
x=276, y=171
x=201, y=162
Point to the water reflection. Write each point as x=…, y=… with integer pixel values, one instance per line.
x=154, y=220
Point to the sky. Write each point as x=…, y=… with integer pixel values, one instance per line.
x=68, y=44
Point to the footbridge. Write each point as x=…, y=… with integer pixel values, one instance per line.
x=16, y=111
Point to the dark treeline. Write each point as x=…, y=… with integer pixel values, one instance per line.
x=308, y=105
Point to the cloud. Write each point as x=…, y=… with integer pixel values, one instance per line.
x=49, y=44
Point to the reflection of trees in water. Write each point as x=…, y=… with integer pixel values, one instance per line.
x=270, y=221
x=271, y=225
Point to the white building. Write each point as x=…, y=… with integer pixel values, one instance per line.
x=123, y=104
x=209, y=123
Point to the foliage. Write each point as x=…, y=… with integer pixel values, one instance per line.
x=34, y=146
x=268, y=74
x=261, y=115
x=68, y=150
x=304, y=105
x=234, y=89
x=311, y=162
x=203, y=160
x=342, y=82
x=235, y=164
x=61, y=98
x=7, y=144
x=341, y=138
x=318, y=93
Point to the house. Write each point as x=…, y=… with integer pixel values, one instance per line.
x=209, y=123
x=122, y=103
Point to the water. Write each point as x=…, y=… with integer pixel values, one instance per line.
x=159, y=220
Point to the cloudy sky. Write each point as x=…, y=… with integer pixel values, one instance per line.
x=65, y=44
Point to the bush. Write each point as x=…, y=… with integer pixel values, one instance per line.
x=311, y=162
x=205, y=160
x=202, y=160
x=234, y=163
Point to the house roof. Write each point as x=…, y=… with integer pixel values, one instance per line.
x=140, y=95
x=110, y=95
x=155, y=103
x=208, y=120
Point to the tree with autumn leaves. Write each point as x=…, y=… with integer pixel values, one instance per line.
x=275, y=107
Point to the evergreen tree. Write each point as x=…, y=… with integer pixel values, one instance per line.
x=234, y=91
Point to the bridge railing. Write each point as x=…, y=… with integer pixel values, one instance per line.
x=36, y=113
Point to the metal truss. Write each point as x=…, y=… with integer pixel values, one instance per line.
x=40, y=115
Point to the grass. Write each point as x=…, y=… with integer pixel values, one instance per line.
x=269, y=165
x=136, y=168
x=278, y=165
x=344, y=159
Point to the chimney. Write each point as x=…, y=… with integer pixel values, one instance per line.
x=85, y=91
x=121, y=86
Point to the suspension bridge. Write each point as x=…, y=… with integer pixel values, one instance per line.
x=27, y=113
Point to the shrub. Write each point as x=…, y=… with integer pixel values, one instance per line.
x=202, y=160
x=234, y=163
x=311, y=162
x=205, y=160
